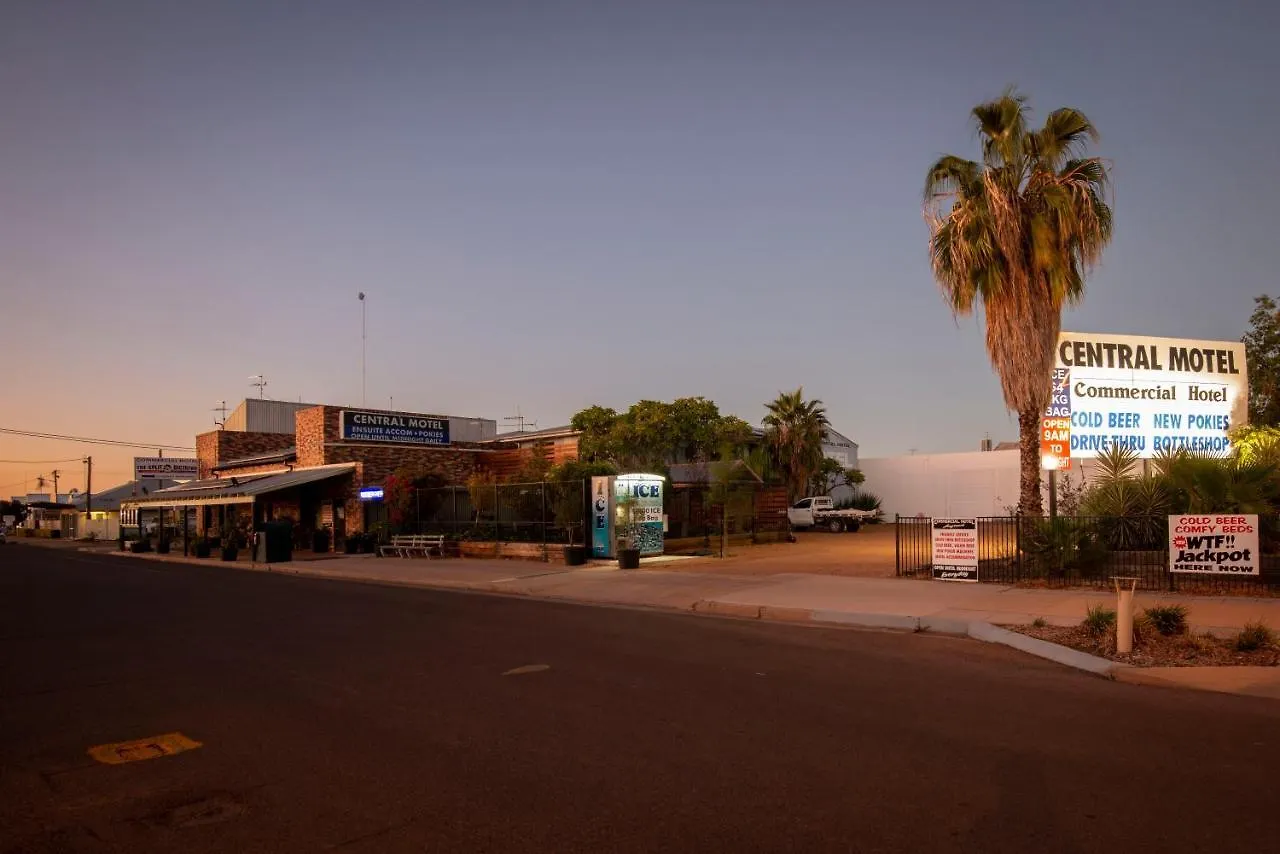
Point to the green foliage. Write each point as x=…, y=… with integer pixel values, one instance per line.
x=1262, y=353
x=1255, y=636
x=795, y=429
x=1099, y=620
x=1062, y=546
x=580, y=470
x=1039, y=622
x=830, y=475
x=652, y=434
x=861, y=500
x=1203, y=484
x=1168, y=620
x=1015, y=234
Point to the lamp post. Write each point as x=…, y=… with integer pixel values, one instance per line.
x=362, y=347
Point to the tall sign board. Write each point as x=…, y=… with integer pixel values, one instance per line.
x=1150, y=395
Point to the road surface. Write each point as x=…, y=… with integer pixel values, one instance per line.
x=357, y=718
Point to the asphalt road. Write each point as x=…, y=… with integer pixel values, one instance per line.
x=374, y=719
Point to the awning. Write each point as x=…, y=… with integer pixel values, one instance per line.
x=241, y=489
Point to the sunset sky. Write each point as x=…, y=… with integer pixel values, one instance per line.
x=557, y=204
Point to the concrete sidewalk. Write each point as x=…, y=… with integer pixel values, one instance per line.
x=868, y=602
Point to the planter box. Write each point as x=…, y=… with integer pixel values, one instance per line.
x=510, y=551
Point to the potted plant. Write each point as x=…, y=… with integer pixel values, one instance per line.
x=231, y=546
x=320, y=541
x=202, y=547
x=628, y=548
x=162, y=546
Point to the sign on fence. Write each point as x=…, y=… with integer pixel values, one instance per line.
x=955, y=549
x=1214, y=544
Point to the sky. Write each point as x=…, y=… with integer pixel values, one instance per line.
x=556, y=204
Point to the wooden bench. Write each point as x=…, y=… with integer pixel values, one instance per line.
x=407, y=545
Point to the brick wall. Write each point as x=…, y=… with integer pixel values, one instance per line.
x=309, y=433
x=217, y=446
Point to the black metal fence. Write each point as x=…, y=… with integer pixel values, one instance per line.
x=1084, y=551
x=507, y=512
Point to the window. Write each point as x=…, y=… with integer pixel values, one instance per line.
x=802, y=505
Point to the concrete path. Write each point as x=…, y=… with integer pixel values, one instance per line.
x=872, y=602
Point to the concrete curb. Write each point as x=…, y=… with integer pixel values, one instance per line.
x=1043, y=649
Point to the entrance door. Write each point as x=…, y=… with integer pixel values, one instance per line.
x=339, y=523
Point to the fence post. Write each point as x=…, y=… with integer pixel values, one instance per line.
x=897, y=546
x=497, y=515
x=544, y=518
x=1017, y=544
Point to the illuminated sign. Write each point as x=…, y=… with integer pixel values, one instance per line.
x=390, y=428
x=371, y=493
x=1151, y=395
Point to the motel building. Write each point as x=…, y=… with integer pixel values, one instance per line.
x=322, y=467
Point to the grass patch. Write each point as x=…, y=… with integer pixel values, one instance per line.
x=1099, y=620
x=1168, y=620
x=1255, y=636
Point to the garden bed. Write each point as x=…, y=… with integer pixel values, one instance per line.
x=1152, y=649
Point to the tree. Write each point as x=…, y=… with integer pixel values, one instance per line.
x=1016, y=234
x=652, y=434
x=830, y=475
x=1262, y=354
x=794, y=430
x=16, y=509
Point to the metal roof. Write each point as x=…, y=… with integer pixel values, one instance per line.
x=240, y=489
x=273, y=457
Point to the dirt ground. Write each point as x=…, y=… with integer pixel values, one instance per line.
x=867, y=553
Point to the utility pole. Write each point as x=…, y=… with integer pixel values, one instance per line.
x=55, y=486
x=88, y=486
x=362, y=348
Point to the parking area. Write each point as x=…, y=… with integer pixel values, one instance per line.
x=868, y=553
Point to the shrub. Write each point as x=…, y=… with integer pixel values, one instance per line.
x=863, y=500
x=1254, y=636
x=1059, y=546
x=1039, y=622
x=1168, y=620
x=1099, y=620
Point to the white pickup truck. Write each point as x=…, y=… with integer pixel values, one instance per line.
x=820, y=512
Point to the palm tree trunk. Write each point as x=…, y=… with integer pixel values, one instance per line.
x=1029, y=500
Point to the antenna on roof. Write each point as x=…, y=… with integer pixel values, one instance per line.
x=519, y=421
x=221, y=409
x=260, y=383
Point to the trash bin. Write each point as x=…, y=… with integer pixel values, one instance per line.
x=274, y=543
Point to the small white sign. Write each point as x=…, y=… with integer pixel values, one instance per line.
x=1214, y=544
x=955, y=549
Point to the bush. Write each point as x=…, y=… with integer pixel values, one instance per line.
x=1168, y=620
x=1255, y=636
x=1060, y=546
x=1039, y=622
x=1099, y=620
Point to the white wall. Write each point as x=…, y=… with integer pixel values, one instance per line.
x=972, y=483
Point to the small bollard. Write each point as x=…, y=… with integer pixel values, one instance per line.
x=1125, y=585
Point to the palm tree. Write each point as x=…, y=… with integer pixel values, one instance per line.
x=795, y=429
x=1016, y=234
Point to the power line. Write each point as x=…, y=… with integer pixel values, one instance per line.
x=39, y=462
x=119, y=443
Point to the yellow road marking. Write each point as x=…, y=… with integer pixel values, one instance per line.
x=143, y=748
